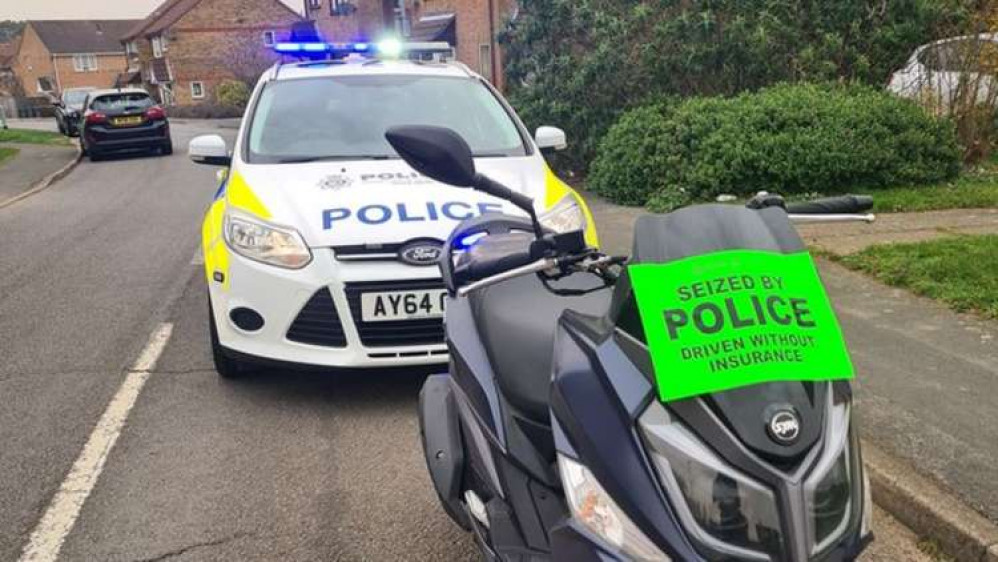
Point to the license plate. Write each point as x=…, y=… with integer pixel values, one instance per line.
x=133, y=120
x=402, y=305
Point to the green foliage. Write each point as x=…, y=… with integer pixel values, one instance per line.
x=959, y=270
x=31, y=136
x=578, y=64
x=788, y=139
x=7, y=153
x=233, y=93
x=9, y=29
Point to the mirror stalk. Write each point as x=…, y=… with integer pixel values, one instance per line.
x=488, y=185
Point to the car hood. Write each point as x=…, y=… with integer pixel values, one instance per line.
x=374, y=202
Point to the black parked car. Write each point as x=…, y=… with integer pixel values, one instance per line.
x=123, y=119
x=68, y=108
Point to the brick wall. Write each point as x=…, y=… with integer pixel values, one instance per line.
x=222, y=40
x=108, y=68
x=34, y=61
x=370, y=20
x=473, y=32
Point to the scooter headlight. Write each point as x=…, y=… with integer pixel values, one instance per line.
x=596, y=511
x=722, y=507
x=829, y=491
x=565, y=216
x=264, y=242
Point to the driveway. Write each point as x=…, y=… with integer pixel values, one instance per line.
x=281, y=466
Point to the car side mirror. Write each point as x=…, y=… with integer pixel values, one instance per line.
x=436, y=152
x=550, y=138
x=210, y=150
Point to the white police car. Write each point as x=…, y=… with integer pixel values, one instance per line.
x=320, y=246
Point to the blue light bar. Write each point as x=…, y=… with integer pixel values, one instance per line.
x=390, y=48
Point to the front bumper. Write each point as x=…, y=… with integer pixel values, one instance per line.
x=284, y=296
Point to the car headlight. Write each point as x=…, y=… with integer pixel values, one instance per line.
x=596, y=511
x=719, y=505
x=564, y=216
x=266, y=243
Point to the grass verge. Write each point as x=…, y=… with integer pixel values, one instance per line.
x=29, y=136
x=961, y=271
x=7, y=153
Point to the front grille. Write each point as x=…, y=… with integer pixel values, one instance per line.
x=318, y=322
x=400, y=332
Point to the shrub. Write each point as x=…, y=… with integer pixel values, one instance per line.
x=233, y=93
x=788, y=139
x=578, y=64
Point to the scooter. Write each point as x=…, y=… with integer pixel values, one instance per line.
x=690, y=402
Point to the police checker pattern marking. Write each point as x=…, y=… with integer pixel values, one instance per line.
x=734, y=318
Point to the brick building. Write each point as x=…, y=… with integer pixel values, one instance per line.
x=185, y=48
x=57, y=54
x=470, y=26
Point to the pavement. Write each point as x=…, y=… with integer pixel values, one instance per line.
x=848, y=238
x=280, y=466
x=927, y=378
x=31, y=165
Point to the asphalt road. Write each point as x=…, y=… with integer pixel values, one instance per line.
x=282, y=466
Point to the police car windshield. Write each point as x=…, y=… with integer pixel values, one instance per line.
x=345, y=118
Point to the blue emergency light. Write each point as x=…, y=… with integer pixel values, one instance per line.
x=389, y=48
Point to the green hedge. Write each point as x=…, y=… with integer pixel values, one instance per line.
x=788, y=139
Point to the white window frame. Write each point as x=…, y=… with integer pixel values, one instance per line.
x=158, y=46
x=200, y=86
x=269, y=38
x=131, y=48
x=485, y=62
x=314, y=4
x=85, y=62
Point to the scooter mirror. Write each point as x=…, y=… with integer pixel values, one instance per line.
x=436, y=152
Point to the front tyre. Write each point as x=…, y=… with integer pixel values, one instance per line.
x=225, y=366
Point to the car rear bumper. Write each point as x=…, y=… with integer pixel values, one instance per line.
x=106, y=139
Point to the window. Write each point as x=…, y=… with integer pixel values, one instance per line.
x=197, y=90
x=485, y=60
x=268, y=38
x=45, y=84
x=340, y=8
x=960, y=55
x=158, y=46
x=345, y=118
x=131, y=48
x=314, y=4
x=122, y=101
x=85, y=62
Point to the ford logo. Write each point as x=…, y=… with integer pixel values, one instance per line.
x=420, y=253
x=784, y=427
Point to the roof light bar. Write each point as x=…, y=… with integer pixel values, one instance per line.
x=389, y=48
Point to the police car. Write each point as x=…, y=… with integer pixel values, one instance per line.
x=321, y=244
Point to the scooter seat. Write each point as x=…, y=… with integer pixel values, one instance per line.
x=517, y=321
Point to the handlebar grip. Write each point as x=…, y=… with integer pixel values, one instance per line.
x=844, y=204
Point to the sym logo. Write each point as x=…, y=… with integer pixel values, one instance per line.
x=420, y=253
x=784, y=426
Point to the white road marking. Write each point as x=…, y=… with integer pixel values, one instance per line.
x=198, y=258
x=47, y=538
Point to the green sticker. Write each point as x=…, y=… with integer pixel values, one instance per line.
x=735, y=318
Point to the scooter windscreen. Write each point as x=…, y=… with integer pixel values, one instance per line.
x=750, y=435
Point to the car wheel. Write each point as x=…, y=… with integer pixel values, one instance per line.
x=225, y=366
x=94, y=157
x=167, y=149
